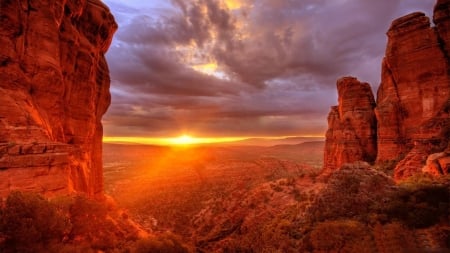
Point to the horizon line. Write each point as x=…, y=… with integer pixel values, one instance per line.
x=170, y=141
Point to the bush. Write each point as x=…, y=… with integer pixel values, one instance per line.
x=28, y=223
x=419, y=205
x=394, y=237
x=166, y=243
x=351, y=193
x=341, y=236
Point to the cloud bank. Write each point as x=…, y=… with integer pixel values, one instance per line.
x=241, y=67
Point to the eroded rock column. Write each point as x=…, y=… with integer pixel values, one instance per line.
x=351, y=134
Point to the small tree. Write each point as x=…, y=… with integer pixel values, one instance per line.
x=28, y=222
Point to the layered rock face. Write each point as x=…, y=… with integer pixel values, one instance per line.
x=54, y=86
x=351, y=134
x=413, y=101
x=414, y=92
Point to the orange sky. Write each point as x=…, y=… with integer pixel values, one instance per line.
x=185, y=139
x=178, y=140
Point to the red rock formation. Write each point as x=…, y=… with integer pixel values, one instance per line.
x=414, y=91
x=414, y=87
x=351, y=134
x=441, y=19
x=438, y=163
x=54, y=86
x=413, y=101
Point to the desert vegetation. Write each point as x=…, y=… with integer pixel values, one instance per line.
x=221, y=203
x=237, y=203
x=31, y=223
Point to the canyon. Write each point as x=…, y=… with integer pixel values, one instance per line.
x=407, y=130
x=54, y=82
x=367, y=194
x=55, y=85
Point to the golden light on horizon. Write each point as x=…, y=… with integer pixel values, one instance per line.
x=184, y=140
x=171, y=141
x=187, y=140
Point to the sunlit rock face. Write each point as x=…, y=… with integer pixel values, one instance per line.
x=54, y=89
x=351, y=134
x=413, y=101
x=438, y=163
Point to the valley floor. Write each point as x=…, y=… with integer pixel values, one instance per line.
x=266, y=199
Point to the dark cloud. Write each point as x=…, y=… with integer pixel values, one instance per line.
x=273, y=64
x=295, y=38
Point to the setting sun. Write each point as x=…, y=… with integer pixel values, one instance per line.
x=184, y=140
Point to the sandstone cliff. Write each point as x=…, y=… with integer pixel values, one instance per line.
x=54, y=86
x=413, y=100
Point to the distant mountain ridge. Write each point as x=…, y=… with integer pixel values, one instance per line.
x=275, y=141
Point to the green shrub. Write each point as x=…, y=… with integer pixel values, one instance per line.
x=166, y=243
x=341, y=236
x=419, y=205
x=28, y=222
x=394, y=237
x=350, y=193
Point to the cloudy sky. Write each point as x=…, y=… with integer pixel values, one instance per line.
x=216, y=68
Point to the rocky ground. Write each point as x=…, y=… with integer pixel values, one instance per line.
x=221, y=200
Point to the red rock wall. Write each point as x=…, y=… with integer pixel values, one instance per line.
x=54, y=86
x=413, y=101
x=414, y=88
x=351, y=134
x=414, y=91
x=441, y=19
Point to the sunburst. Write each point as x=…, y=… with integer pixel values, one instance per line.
x=184, y=140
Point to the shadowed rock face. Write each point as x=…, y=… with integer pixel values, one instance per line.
x=413, y=101
x=54, y=86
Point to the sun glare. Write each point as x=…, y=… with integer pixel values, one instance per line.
x=171, y=141
x=183, y=140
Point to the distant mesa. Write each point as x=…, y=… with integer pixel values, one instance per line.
x=54, y=86
x=411, y=128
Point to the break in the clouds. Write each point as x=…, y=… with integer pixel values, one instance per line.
x=241, y=67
